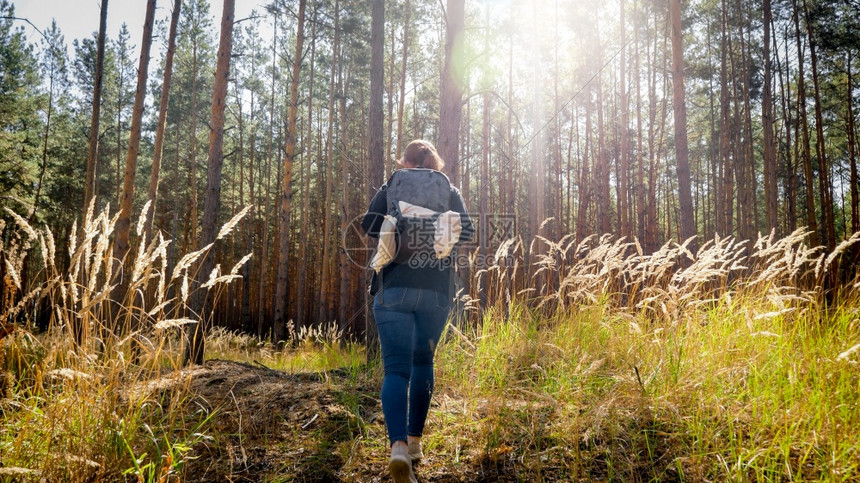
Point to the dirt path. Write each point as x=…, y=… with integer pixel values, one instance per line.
x=275, y=426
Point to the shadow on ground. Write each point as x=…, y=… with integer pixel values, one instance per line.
x=277, y=427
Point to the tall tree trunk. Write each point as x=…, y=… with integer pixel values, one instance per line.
x=623, y=190
x=402, y=99
x=301, y=314
x=346, y=270
x=603, y=209
x=176, y=310
x=195, y=344
x=825, y=196
x=651, y=222
x=555, y=187
x=770, y=167
x=44, y=165
x=747, y=226
x=376, y=131
x=573, y=136
x=749, y=146
x=265, y=217
x=688, y=229
x=283, y=268
x=584, y=184
x=537, y=173
x=483, y=194
x=93, y=146
x=190, y=235
x=790, y=166
x=712, y=218
x=249, y=222
x=640, y=148
x=389, y=94
x=162, y=118
x=247, y=323
x=654, y=174
x=326, y=294
x=804, y=131
x=511, y=178
x=601, y=168
x=466, y=153
x=852, y=151
x=727, y=216
x=376, y=157
x=451, y=92
x=123, y=224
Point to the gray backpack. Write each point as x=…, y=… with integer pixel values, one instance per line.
x=422, y=187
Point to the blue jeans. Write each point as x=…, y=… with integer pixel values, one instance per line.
x=410, y=322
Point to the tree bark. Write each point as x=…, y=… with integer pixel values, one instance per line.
x=852, y=152
x=713, y=214
x=770, y=168
x=162, y=118
x=191, y=215
x=376, y=130
x=301, y=299
x=195, y=344
x=93, y=147
x=326, y=294
x=790, y=166
x=483, y=194
x=584, y=184
x=44, y=165
x=623, y=190
x=726, y=225
x=451, y=101
x=389, y=115
x=402, y=99
x=640, y=148
x=376, y=156
x=804, y=132
x=346, y=270
x=746, y=178
x=123, y=224
x=688, y=228
x=265, y=217
x=283, y=268
x=603, y=209
x=825, y=196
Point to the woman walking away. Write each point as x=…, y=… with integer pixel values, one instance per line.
x=423, y=216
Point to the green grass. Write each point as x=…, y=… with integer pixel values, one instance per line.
x=719, y=395
x=585, y=393
x=316, y=351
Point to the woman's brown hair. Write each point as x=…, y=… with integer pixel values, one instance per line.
x=421, y=154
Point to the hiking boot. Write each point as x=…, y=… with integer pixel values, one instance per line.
x=415, y=450
x=400, y=465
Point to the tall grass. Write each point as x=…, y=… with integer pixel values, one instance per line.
x=588, y=395
x=736, y=363
x=77, y=405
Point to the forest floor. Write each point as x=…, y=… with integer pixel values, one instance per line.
x=276, y=426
